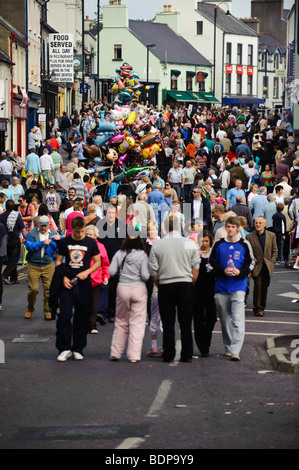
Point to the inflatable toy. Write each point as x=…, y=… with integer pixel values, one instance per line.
x=126, y=85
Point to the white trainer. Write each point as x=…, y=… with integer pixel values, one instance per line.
x=77, y=356
x=64, y=356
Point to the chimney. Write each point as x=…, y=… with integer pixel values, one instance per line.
x=253, y=23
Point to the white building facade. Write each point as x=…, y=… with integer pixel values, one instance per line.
x=175, y=70
x=229, y=44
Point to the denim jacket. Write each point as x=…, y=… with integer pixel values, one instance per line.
x=34, y=247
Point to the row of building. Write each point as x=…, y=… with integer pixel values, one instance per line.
x=191, y=52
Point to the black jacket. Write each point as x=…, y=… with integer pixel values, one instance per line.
x=207, y=213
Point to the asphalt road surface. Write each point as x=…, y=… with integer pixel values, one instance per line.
x=211, y=403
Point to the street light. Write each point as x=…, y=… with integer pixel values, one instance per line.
x=148, y=47
x=83, y=53
x=215, y=32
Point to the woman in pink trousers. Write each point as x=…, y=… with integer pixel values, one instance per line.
x=131, y=262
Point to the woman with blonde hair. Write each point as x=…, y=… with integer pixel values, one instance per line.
x=91, y=218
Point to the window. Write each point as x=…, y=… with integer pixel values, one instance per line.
x=229, y=53
x=174, y=82
x=276, y=88
x=240, y=54
x=199, y=28
x=118, y=50
x=202, y=86
x=228, y=84
x=263, y=61
x=250, y=55
x=189, y=83
x=249, y=85
x=266, y=86
x=239, y=84
x=276, y=61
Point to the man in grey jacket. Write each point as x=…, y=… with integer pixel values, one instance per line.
x=174, y=265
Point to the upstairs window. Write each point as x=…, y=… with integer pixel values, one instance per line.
x=118, y=52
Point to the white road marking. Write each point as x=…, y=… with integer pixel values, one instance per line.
x=131, y=443
x=160, y=399
x=272, y=322
x=247, y=333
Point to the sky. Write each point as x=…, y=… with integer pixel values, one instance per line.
x=147, y=9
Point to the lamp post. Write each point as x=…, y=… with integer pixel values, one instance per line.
x=98, y=56
x=215, y=40
x=83, y=53
x=148, y=47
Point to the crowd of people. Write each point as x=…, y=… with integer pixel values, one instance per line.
x=218, y=206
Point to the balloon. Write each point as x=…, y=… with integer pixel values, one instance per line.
x=131, y=119
x=122, y=159
x=126, y=86
x=117, y=139
x=147, y=140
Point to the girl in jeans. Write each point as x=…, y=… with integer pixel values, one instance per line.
x=131, y=262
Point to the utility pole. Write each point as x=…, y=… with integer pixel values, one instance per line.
x=83, y=53
x=296, y=98
x=98, y=56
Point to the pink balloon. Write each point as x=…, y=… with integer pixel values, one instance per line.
x=118, y=139
x=122, y=159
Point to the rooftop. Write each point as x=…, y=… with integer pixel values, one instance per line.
x=179, y=51
x=228, y=23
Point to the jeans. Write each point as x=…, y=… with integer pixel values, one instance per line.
x=231, y=309
x=75, y=304
x=13, y=256
x=103, y=300
x=178, y=188
x=176, y=296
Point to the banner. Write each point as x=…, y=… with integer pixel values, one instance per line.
x=239, y=69
x=250, y=71
x=61, y=58
x=228, y=69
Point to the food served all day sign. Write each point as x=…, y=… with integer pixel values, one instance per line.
x=61, y=57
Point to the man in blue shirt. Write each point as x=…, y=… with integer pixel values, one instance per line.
x=243, y=147
x=232, y=261
x=233, y=193
x=32, y=164
x=258, y=203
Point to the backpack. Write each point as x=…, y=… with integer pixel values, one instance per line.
x=217, y=149
x=256, y=179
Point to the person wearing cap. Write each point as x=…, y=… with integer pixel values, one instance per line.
x=41, y=245
x=33, y=142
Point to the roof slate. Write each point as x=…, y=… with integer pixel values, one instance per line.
x=228, y=23
x=179, y=51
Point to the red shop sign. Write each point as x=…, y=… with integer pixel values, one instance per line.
x=239, y=69
x=228, y=69
x=249, y=70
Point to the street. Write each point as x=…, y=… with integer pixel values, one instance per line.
x=211, y=403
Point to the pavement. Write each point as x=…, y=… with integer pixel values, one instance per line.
x=280, y=353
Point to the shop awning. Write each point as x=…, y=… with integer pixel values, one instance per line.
x=209, y=98
x=233, y=99
x=196, y=97
x=181, y=96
